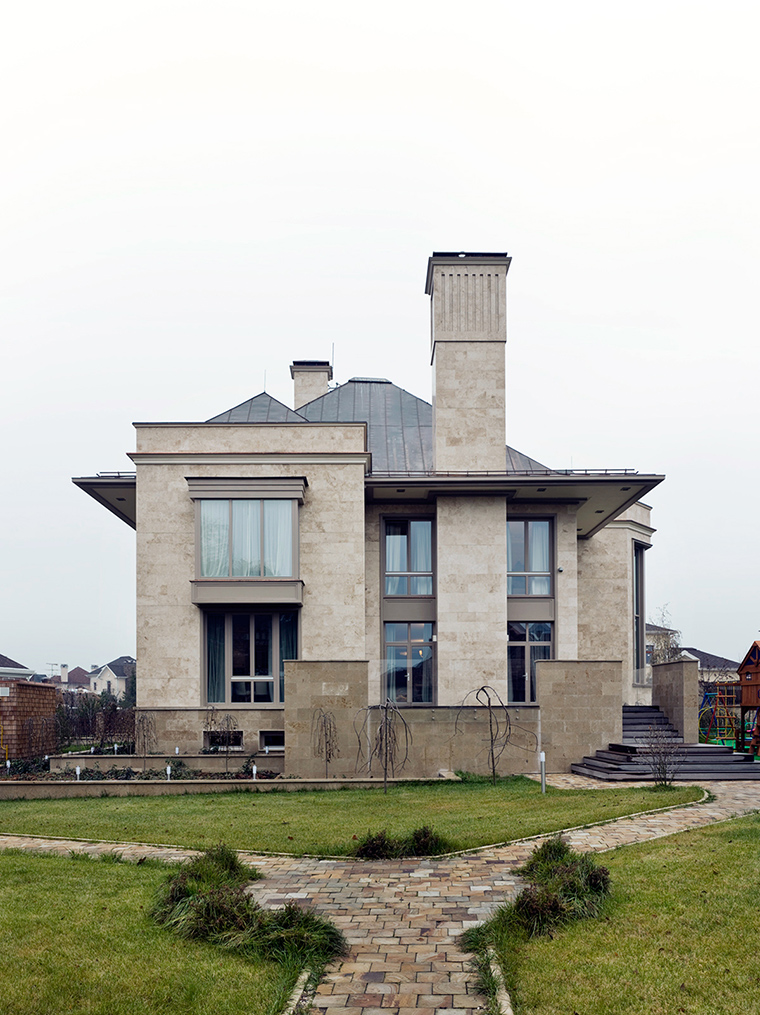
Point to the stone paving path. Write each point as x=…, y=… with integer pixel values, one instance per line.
x=402, y=919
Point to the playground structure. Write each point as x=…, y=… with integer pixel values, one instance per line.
x=749, y=702
x=719, y=716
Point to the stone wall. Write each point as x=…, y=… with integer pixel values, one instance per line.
x=27, y=718
x=445, y=738
x=339, y=689
x=581, y=710
x=675, y=690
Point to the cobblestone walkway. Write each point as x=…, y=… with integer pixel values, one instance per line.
x=402, y=919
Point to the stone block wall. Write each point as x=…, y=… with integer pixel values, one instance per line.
x=675, y=690
x=27, y=718
x=581, y=710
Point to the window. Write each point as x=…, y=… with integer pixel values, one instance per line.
x=409, y=663
x=528, y=643
x=247, y=538
x=529, y=558
x=408, y=557
x=245, y=656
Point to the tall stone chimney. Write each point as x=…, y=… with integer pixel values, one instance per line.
x=64, y=673
x=310, y=380
x=468, y=303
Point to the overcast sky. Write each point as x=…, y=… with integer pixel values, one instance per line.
x=196, y=193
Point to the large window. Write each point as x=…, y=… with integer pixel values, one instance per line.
x=528, y=644
x=408, y=557
x=409, y=663
x=529, y=558
x=247, y=538
x=245, y=656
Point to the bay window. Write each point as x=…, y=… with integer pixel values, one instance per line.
x=247, y=538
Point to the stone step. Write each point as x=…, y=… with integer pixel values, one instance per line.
x=689, y=774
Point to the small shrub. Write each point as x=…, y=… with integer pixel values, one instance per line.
x=425, y=842
x=539, y=909
x=381, y=846
x=377, y=846
x=205, y=899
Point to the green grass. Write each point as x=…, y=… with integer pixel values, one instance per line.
x=77, y=939
x=467, y=814
x=678, y=934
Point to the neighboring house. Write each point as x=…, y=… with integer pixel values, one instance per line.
x=11, y=670
x=112, y=677
x=712, y=669
x=365, y=545
x=77, y=679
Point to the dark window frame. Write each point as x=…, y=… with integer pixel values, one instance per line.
x=525, y=521
x=237, y=681
x=409, y=644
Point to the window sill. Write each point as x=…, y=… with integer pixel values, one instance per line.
x=223, y=591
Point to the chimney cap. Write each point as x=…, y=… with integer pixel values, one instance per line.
x=311, y=365
x=463, y=257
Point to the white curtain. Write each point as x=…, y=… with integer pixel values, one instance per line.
x=538, y=543
x=215, y=538
x=246, y=538
x=278, y=538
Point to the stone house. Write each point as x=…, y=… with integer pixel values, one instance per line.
x=365, y=545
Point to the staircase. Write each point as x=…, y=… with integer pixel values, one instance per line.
x=627, y=761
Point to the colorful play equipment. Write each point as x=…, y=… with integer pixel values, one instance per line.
x=719, y=716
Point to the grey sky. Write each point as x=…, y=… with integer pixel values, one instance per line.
x=195, y=194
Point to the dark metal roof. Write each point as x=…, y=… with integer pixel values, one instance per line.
x=260, y=409
x=399, y=425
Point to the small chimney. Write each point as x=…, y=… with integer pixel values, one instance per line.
x=64, y=673
x=310, y=380
x=468, y=297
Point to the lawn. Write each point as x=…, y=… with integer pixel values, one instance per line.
x=468, y=814
x=677, y=935
x=76, y=939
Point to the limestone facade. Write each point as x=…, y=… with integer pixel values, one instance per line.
x=428, y=560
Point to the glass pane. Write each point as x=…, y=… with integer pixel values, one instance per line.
x=538, y=547
x=246, y=538
x=515, y=586
x=422, y=674
x=539, y=586
x=515, y=546
x=421, y=586
x=288, y=644
x=516, y=676
x=540, y=632
x=240, y=693
x=421, y=632
x=420, y=546
x=395, y=546
x=537, y=652
x=395, y=671
x=515, y=631
x=241, y=645
x=395, y=586
x=396, y=632
x=278, y=538
x=215, y=657
x=263, y=691
x=262, y=653
x=215, y=538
